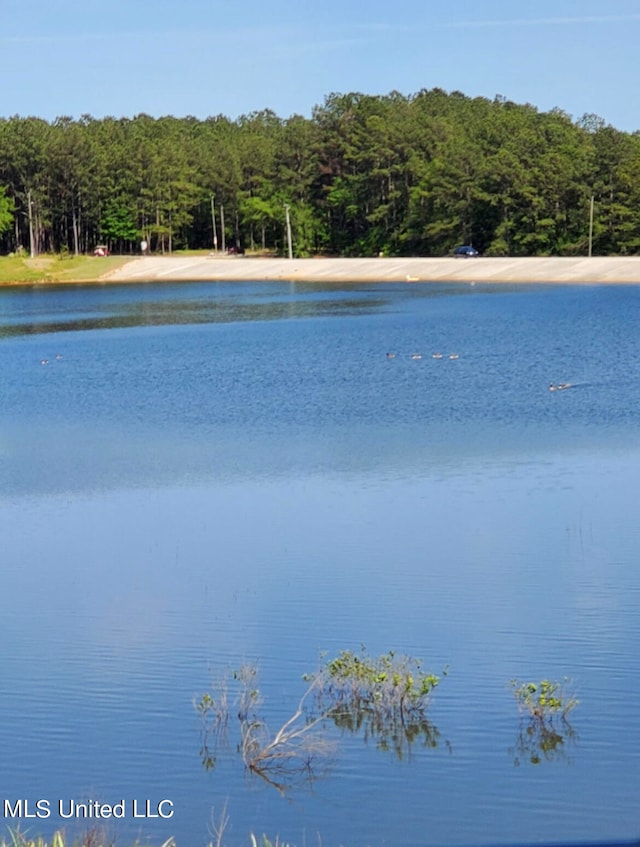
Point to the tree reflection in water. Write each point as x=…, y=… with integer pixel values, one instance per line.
x=391, y=732
x=540, y=740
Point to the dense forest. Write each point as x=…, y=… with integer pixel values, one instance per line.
x=395, y=174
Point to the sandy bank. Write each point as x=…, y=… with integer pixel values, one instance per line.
x=502, y=270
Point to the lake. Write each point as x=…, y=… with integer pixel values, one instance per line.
x=198, y=477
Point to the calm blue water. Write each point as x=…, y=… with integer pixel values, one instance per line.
x=204, y=475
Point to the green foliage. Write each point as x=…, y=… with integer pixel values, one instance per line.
x=384, y=699
x=388, y=680
x=93, y=837
x=266, y=842
x=393, y=174
x=543, y=700
x=6, y=210
x=117, y=223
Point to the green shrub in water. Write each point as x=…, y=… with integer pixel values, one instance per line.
x=388, y=683
x=543, y=700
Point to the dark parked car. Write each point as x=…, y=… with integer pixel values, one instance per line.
x=466, y=252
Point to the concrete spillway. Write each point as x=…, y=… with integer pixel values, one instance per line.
x=499, y=270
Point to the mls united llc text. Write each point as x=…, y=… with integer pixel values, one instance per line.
x=91, y=809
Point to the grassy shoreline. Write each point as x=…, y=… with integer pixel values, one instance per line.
x=49, y=269
x=95, y=837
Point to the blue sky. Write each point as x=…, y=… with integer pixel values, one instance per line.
x=210, y=57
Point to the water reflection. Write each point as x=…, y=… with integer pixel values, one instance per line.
x=396, y=733
x=298, y=754
x=541, y=741
x=94, y=308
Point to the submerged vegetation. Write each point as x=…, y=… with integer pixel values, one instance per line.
x=364, y=175
x=545, y=700
x=275, y=756
x=384, y=698
x=540, y=736
x=388, y=683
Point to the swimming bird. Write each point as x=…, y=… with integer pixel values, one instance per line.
x=44, y=361
x=391, y=355
x=436, y=355
x=416, y=355
x=454, y=356
x=560, y=386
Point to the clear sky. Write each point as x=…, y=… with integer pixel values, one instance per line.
x=232, y=57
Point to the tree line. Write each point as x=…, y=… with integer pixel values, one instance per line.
x=365, y=175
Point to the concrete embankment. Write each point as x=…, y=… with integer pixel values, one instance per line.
x=566, y=270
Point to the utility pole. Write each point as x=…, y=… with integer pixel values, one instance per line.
x=286, y=211
x=591, y=226
x=213, y=220
x=224, y=247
